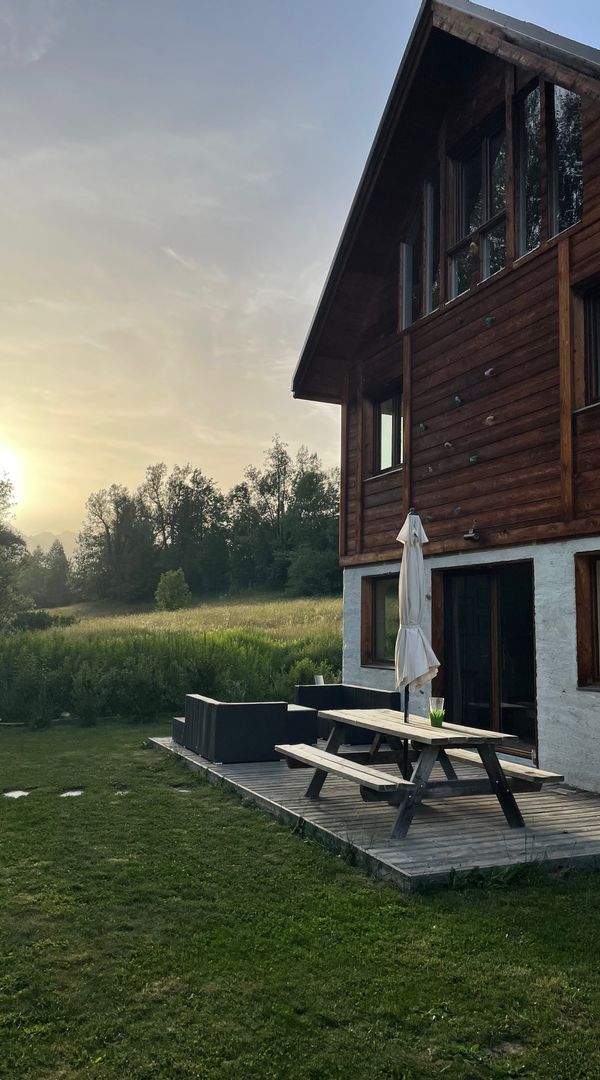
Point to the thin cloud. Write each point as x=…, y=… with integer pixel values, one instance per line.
x=189, y=264
x=28, y=29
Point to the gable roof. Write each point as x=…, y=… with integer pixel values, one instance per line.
x=524, y=44
x=582, y=58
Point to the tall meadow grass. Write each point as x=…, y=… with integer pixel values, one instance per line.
x=279, y=618
x=139, y=673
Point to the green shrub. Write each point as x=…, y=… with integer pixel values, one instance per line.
x=313, y=573
x=173, y=591
x=90, y=690
x=40, y=619
x=33, y=620
x=139, y=674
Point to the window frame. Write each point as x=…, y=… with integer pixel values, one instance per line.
x=591, y=342
x=431, y=224
x=519, y=177
x=586, y=384
x=587, y=565
x=478, y=246
x=552, y=170
x=369, y=616
x=393, y=394
x=474, y=242
x=419, y=245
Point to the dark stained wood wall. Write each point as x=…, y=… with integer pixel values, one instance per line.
x=585, y=264
x=510, y=420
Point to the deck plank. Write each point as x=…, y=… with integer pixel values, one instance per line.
x=449, y=836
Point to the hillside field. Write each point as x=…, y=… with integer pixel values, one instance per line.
x=278, y=617
x=140, y=664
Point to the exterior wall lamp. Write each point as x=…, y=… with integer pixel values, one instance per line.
x=473, y=535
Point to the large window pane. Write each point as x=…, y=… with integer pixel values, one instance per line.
x=385, y=618
x=417, y=271
x=432, y=246
x=463, y=267
x=411, y=274
x=497, y=172
x=596, y=615
x=472, y=193
x=591, y=308
x=568, y=167
x=406, y=262
x=494, y=249
x=386, y=434
x=530, y=194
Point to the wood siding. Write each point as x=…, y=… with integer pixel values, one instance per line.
x=495, y=438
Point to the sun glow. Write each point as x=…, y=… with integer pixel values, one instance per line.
x=12, y=465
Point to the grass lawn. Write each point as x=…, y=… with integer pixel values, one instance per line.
x=279, y=617
x=164, y=934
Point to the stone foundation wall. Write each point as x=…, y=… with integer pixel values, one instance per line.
x=568, y=718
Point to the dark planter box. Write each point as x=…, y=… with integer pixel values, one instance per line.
x=178, y=730
x=347, y=696
x=196, y=711
x=229, y=732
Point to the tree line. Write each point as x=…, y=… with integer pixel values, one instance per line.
x=275, y=530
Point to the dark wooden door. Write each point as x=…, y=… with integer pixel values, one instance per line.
x=489, y=650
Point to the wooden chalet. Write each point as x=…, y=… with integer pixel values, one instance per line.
x=459, y=330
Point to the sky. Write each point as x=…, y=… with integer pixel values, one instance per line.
x=174, y=178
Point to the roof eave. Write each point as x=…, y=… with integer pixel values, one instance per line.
x=385, y=129
x=517, y=42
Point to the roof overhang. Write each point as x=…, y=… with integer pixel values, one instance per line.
x=576, y=66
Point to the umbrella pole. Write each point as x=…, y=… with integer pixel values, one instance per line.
x=405, y=741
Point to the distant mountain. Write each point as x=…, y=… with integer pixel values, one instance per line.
x=45, y=540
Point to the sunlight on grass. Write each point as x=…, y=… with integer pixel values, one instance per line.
x=279, y=618
x=176, y=933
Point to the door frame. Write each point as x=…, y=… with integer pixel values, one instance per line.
x=438, y=636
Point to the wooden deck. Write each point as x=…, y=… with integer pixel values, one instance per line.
x=448, y=837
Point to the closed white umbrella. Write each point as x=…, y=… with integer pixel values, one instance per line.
x=415, y=660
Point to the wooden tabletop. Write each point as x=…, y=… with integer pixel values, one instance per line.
x=418, y=728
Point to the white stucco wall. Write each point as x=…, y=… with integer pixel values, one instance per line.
x=568, y=718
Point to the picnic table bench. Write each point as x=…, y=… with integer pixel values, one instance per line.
x=432, y=744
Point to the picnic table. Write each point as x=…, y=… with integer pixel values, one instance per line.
x=431, y=745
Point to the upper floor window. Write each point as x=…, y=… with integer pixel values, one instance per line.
x=410, y=275
x=420, y=258
x=591, y=340
x=431, y=219
x=546, y=197
x=479, y=212
x=387, y=429
x=566, y=166
x=529, y=179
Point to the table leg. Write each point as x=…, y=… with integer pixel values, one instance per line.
x=500, y=786
x=420, y=776
x=397, y=747
x=447, y=766
x=375, y=746
x=333, y=744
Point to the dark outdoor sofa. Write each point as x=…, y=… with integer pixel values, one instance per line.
x=347, y=696
x=242, y=731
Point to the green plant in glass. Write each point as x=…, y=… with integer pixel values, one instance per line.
x=436, y=711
